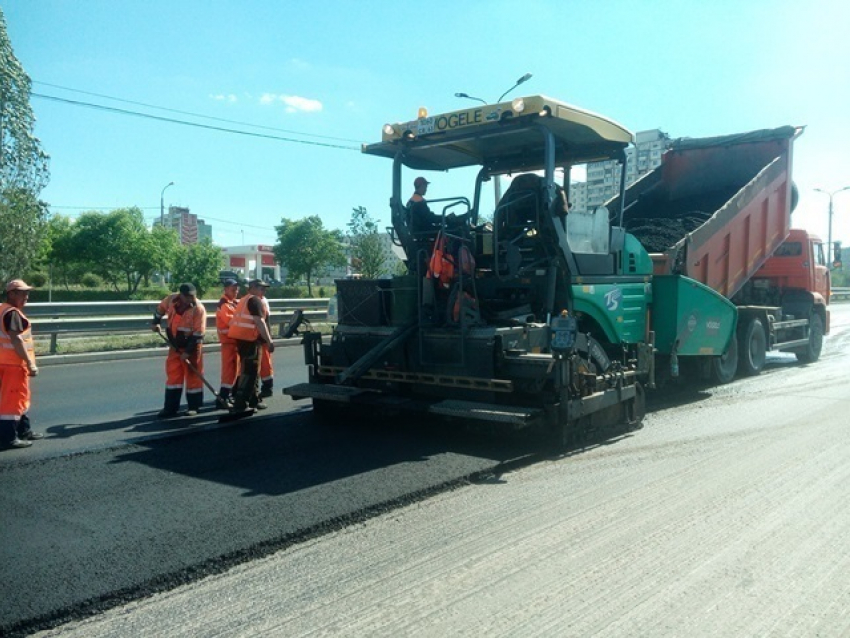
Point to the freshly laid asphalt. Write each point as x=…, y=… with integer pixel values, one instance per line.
x=114, y=504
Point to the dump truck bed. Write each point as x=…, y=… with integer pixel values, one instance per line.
x=716, y=208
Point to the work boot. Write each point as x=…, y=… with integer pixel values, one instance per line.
x=172, y=403
x=266, y=389
x=17, y=443
x=194, y=401
x=25, y=432
x=222, y=401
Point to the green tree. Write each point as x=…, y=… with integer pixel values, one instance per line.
x=306, y=248
x=115, y=246
x=22, y=218
x=57, y=255
x=163, y=246
x=200, y=264
x=23, y=166
x=367, y=244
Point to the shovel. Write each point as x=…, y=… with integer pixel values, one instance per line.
x=219, y=401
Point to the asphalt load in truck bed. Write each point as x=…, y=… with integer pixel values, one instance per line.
x=657, y=234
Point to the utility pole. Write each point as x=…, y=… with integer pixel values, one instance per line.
x=162, y=204
x=831, y=194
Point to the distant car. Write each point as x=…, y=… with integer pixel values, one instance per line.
x=228, y=274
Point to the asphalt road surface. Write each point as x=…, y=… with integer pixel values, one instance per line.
x=727, y=514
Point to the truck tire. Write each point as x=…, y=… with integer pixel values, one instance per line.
x=752, y=347
x=724, y=367
x=811, y=352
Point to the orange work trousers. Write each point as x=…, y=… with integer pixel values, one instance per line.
x=177, y=372
x=229, y=364
x=14, y=392
x=266, y=366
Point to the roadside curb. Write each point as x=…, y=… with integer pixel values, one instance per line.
x=141, y=353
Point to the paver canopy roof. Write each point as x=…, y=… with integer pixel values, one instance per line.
x=507, y=134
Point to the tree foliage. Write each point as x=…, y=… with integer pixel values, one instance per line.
x=199, y=264
x=367, y=244
x=58, y=253
x=306, y=248
x=22, y=217
x=23, y=165
x=118, y=249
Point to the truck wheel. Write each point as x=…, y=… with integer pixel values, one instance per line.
x=811, y=352
x=724, y=367
x=752, y=349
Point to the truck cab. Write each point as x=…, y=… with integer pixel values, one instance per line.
x=797, y=271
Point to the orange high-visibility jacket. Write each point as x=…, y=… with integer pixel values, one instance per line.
x=8, y=356
x=242, y=326
x=186, y=328
x=226, y=308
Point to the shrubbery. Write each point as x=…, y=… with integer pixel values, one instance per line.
x=90, y=280
x=82, y=294
x=36, y=279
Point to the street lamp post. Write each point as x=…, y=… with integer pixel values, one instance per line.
x=497, y=185
x=831, y=194
x=162, y=204
x=470, y=97
x=524, y=78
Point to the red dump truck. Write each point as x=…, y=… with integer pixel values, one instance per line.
x=718, y=210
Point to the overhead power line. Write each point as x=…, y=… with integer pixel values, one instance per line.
x=207, y=117
x=210, y=127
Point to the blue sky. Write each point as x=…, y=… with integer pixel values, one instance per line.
x=332, y=73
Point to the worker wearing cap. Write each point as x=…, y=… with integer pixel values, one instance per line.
x=186, y=323
x=229, y=355
x=250, y=330
x=422, y=220
x=17, y=365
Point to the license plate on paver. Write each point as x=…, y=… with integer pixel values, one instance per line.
x=425, y=126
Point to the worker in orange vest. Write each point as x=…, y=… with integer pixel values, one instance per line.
x=229, y=355
x=266, y=360
x=186, y=323
x=249, y=328
x=17, y=365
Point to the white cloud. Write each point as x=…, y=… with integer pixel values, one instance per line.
x=221, y=97
x=296, y=103
x=293, y=103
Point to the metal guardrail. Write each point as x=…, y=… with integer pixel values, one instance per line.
x=129, y=317
x=839, y=294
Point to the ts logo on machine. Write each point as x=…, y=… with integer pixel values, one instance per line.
x=613, y=299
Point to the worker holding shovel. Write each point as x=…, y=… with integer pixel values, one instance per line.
x=186, y=322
